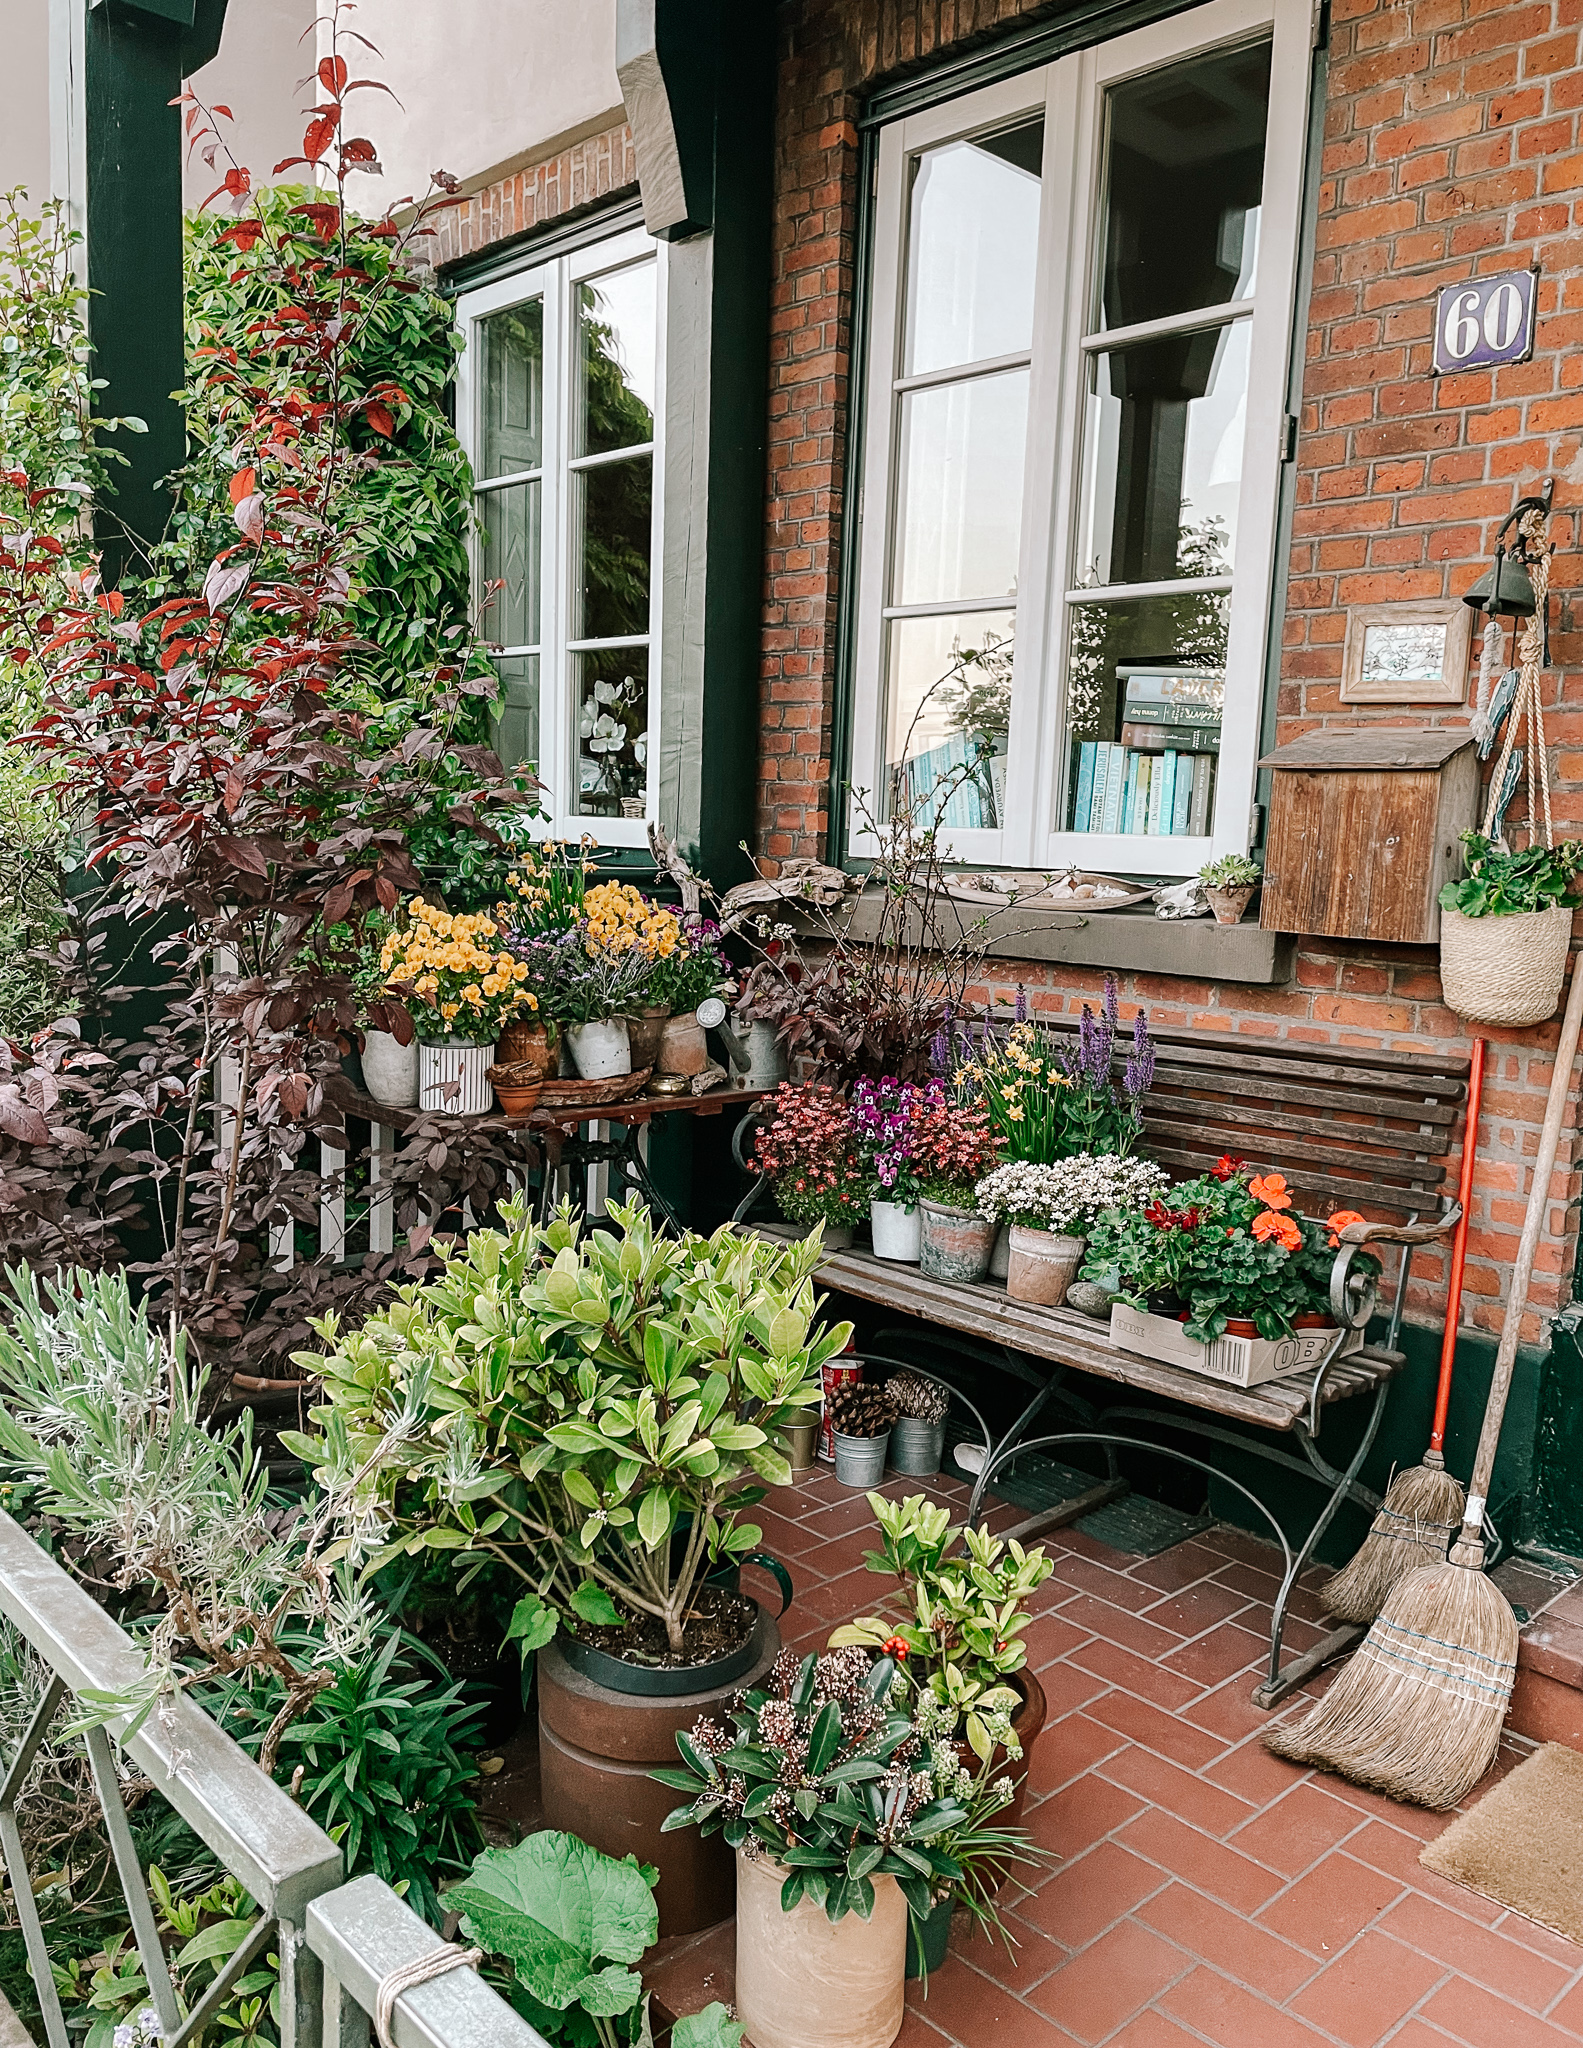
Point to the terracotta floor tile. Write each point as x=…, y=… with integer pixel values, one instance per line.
x=1410, y=1820
x=1297, y=1829
x=1168, y=1689
x=1367, y=1989
x=1068, y=1686
x=1119, y=1588
x=1253, y=1774
x=1151, y=2029
x=1179, y=1566
x=1095, y=1992
x=1229, y=1710
x=1067, y=1749
x=1242, y=1548
x=1232, y=2017
x=1167, y=1785
x=1333, y=1903
x=1388, y=1849
x=1468, y=2013
x=1220, y=1655
x=1482, y=1953
x=1081, y=1544
x=1085, y=1897
x=1051, y=1637
x=1569, y=2013
x=1215, y=1934
x=1033, y=1956
x=1166, y=1734
x=1541, y=1940
x=1071, y=1821
x=916, y=2032
x=972, y=2009
x=1116, y=1625
x=1206, y=1865
x=1197, y=1609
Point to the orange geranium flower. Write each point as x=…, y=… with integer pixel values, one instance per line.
x=1271, y=1191
x=1339, y=1221
x=1270, y=1223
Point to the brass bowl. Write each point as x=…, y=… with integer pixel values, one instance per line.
x=669, y=1084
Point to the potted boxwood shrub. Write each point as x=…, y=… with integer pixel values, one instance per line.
x=1505, y=929
x=596, y=1410
x=815, y=1783
x=1229, y=884
x=1047, y=1210
x=962, y=1638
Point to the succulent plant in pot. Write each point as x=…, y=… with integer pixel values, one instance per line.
x=596, y=1409
x=1229, y=883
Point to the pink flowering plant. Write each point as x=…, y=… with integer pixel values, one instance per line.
x=808, y=1147
x=953, y=1144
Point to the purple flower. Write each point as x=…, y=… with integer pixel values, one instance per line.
x=1112, y=1009
x=1140, y=1061
x=1022, y=1004
x=940, y=1051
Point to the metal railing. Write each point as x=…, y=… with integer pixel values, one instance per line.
x=336, y=1941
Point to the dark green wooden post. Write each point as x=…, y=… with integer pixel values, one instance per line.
x=135, y=55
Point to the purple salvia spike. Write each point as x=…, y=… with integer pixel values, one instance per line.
x=1140, y=1062
x=1022, y=1004
x=1112, y=1008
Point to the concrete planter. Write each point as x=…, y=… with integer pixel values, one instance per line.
x=600, y=1049
x=1043, y=1265
x=390, y=1069
x=954, y=1244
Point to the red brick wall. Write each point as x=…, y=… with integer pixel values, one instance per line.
x=1452, y=146
x=577, y=176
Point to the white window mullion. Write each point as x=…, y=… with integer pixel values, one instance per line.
x=557, y=723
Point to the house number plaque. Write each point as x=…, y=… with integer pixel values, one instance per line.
x=1487, y=321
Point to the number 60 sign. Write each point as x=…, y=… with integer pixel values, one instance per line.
x=1486, y=321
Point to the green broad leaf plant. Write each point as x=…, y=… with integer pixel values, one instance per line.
x=961, y=1638
x=1502, y=884
x=595, y=1408
x=822, y=1771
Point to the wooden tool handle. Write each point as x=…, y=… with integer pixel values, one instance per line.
x=1459, y=1251
x=1522, y=1269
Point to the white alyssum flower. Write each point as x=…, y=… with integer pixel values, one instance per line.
x=1068, y=1195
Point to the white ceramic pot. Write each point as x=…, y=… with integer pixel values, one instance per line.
x=898, y=1231
x=453, y=1076
x=390, y=1069
x=804, y=1983
x=1043, y=1265
x=1000, y=1257
x=601, y=1048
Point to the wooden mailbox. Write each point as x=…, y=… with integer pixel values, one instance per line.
x=1364, y=827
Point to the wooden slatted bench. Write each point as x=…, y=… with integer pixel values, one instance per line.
x=1350, y=1128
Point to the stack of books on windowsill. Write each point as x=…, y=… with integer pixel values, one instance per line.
x=1158, y=778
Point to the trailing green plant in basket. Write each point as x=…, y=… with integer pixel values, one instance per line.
x=1501, y=884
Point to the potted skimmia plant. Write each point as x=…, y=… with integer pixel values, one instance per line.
x=819, y=1783
x=596, y=1411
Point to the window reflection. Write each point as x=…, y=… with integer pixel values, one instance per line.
x=949, y=715
x=972, y=243
x=1185, y=171
x=619, y=360
x=513, y=390
x=960, y=489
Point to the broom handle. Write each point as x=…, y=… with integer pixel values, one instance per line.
x=1459, y=1251
x=1522, y=1270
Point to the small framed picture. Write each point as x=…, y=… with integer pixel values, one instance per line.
x=1407, y=653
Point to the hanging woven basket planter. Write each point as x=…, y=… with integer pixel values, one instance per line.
x=1504, y=970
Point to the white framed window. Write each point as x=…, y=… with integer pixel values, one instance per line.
x=560, y=407
x=1075, y=417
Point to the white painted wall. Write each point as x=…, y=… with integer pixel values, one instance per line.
x=482, y=86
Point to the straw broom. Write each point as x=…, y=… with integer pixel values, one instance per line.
x=1422, y=1508
x=1417, y=1714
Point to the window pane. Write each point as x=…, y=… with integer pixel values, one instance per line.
x=1184, y=173
x=960, y=489
x=615, y=501
x=513, y=390
x=618, y=360
x=1145, y=686
x=509, y=555
x=949, y=710
x=517, y=735
x=1163, y=458
x=611, y=691
x=972, y=241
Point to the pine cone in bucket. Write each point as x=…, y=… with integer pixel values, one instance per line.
x=861, y=1411
x=923, y=1400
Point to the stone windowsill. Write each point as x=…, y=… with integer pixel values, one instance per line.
x=1128, y=941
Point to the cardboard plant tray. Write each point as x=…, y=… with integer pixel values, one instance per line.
x=1235, y=1361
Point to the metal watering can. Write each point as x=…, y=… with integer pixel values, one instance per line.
x=757, y=1060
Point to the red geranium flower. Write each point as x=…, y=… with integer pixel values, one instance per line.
x=1227, y=1166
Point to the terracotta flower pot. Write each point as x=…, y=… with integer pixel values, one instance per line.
x=954, y=1244
x=1043, y=1265
x=803, y=1982
x=1229, y=905
x=596, y=1750
x=684, y=1049
x=524, y=1039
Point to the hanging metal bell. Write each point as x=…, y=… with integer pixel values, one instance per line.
x=1505, y=590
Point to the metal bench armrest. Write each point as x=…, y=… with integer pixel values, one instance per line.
x=1401, y=1233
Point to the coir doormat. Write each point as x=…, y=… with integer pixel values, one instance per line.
x=1522, y=1845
